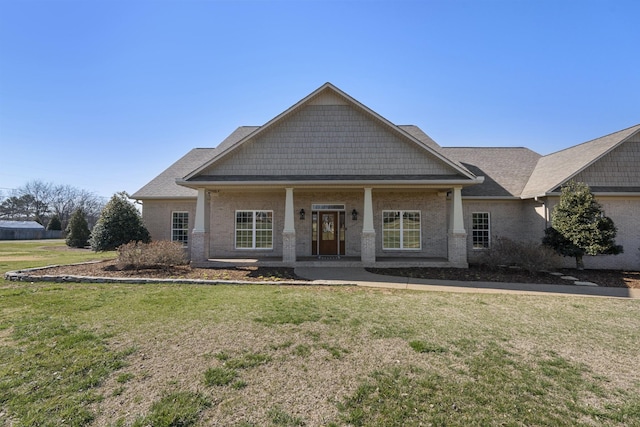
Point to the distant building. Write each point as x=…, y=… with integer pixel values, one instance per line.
x=26, y=230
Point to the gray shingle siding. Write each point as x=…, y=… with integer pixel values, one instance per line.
x=619, y=168
x=331, y=140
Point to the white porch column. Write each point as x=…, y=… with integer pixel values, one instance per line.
x=289, y=231
x=368, y=239
x=457, y=223
x=200, y=234
x=457, y=233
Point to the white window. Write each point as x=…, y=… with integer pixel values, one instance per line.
x=254, y=229
x=180, y=227
x=481, y=230
x=401, y=230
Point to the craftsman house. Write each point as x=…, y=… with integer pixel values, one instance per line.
x=330, y=181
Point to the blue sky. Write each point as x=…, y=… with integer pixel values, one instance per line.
x=104, y=95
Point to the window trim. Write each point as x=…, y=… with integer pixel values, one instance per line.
x=487, y=230
x=253, y=230
x=186, y=229
x=402, y=212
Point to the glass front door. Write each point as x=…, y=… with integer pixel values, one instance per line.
x=328, y=233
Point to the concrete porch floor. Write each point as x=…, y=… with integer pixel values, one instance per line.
x=325, y=261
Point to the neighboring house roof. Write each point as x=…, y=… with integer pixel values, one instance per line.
x=506, y=169
x=557, y=168
x=23, y=225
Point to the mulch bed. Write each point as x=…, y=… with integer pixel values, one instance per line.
x=110, y=269
x=607, y=278
x=475, y=273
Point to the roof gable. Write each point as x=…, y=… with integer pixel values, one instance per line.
x=554, y=170
x=329, y=133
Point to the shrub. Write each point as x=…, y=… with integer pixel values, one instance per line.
x=119, y=223
x=531, y=257
x=579, y=226
x=160, y=254
x=77, y=231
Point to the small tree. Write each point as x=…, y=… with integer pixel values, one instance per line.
x=77, y=231
x=54, y=224
x=579, y=226
x=119, y=223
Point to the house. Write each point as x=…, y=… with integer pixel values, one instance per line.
x=331, y=181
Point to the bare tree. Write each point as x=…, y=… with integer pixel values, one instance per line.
x=39, y=201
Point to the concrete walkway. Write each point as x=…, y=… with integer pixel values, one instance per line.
x=361, y=277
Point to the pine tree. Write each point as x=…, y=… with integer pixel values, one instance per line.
x=54, y=223
x=77, y=231
x=579, y=226
x=119, y=223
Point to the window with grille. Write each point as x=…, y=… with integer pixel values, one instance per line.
x=180, y=227
x=481, y=230
x=254, y=229
x=401, y=230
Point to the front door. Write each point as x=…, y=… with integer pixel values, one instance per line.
x=328, y=242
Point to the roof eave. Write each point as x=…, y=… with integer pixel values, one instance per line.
x=332, y=183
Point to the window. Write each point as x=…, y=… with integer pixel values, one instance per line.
x=401, y=230
x=180, y=227
x=480, y=230
x=254, y=229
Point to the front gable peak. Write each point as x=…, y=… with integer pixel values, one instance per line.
x=329, y=134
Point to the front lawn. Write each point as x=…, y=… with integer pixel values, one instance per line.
x=169, y=355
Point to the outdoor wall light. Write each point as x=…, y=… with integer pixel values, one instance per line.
x=301, y=213
x=354, y=215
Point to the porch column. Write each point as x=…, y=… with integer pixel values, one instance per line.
x=457, y=233
x=200, y=234
x=368, y=239
x=289, y=232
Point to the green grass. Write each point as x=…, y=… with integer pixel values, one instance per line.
x=73, y=354
x=177, y=409
x=16, y=255
x=219, y=376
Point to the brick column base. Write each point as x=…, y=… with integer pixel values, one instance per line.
x=289, y=247
x=458, y=250
x=368, y=249
x=199, y=247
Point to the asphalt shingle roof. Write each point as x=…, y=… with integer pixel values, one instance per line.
x=164, y=185
x=505, y=169
x=556, y=168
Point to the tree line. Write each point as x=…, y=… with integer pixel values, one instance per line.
x=50, y=205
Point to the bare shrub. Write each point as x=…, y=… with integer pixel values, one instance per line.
x=158, y=254
x=531, y=257
x=130, y=256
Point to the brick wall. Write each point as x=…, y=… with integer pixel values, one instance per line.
x=156, y=215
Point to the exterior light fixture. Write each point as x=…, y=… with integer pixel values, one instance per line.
x=354, y=215
x=301, y=213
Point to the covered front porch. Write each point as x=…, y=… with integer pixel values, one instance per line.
x=442, y=238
